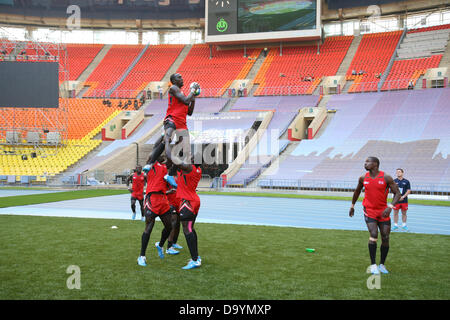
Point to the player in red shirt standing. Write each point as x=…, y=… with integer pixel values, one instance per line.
x=137, y=180
x=188, y=179
x=156, y=205
x=174, y=202
x=376, y=210
x=180, y=106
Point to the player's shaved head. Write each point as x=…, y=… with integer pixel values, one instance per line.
x=174, y=76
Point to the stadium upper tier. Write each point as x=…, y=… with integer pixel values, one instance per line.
x=372, y=58
x=405, y=129
x=152, y=66
x=111, y=68
x=215, y=74
x=288, y=73
x=79, y=56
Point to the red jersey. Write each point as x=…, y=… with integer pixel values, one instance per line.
x=178, y=111
x=187, y=184
x=155, y=178
x=138, y=183
x=376, y=192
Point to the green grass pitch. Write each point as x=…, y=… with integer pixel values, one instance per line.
x=239, y=262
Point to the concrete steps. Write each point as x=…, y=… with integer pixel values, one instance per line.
x=176, y=64
x=345, y=64
x=256, y=66
x=445, y=61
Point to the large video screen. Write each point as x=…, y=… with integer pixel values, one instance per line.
x=278, y=15
x=29, y=84
x=260, y=20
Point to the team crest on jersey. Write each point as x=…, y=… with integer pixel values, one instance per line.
x=380, y=182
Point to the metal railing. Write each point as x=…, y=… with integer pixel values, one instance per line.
x=430, y=188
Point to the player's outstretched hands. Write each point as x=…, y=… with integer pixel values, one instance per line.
x=351, y=213
x=195, y=88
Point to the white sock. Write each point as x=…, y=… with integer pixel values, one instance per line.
x=403, y=224
x=396, y=225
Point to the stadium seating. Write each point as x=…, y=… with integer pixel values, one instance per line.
x=216, y=74
x=83, y=116
x=84, y=119
x=372, y=57
x=78, y=57
x=111, y=68
x=286, y=74
x=403, y=128
x=152, y=66
x=404, y=71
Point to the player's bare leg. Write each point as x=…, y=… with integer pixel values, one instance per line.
x=385, y=231
x=395, y=227
x=372, y=226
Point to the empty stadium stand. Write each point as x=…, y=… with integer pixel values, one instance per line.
x=78, y=57
x=404, y=71
x=215, y=74
x=298, y=70
x=85, y=118
x=403, y=128
x=110, y=69
x=152, y=66
x=372, y=57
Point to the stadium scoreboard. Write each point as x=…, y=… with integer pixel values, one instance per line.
x=233, y=21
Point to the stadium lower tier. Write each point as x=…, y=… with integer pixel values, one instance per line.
x=48, y=161
x=404, y=129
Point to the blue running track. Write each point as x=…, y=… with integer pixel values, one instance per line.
x=286, y=212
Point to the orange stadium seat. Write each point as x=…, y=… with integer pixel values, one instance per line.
x=152, y=66
x=286, y=74
x=372, y=57
x=111, y=68
x=403, y=71
x=78, y=57
x=441, y=27
x=83, y=116
x=215, y=74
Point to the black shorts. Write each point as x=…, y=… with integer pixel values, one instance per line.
x=151, y=215
x=141, y=201
x=372, y=220
x=189, y=210
x=173, y=210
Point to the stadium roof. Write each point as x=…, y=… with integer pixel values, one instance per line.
x=108, y=9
